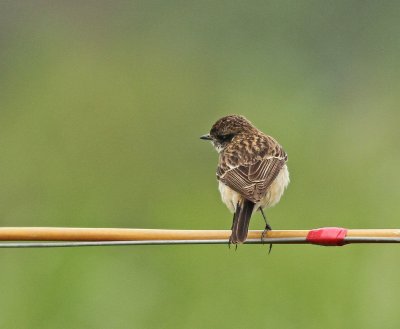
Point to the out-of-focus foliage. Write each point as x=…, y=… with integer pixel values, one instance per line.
x=101, y=107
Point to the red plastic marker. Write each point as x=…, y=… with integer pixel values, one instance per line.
x=327, y=236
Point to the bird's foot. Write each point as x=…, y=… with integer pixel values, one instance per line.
x=267, y=228
x=263, y=234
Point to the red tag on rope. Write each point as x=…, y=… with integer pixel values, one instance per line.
x=327, y=236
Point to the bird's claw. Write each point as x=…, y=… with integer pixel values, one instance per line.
x=267, y=228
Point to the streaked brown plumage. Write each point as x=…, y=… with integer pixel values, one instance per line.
x=252, y=170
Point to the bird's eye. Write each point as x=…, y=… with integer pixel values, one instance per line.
x=225, y=138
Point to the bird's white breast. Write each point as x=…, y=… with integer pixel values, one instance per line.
x=229, y=196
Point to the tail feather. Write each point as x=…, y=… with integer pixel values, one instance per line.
x=241, y=222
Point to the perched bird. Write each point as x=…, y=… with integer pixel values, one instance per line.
x=252, y=171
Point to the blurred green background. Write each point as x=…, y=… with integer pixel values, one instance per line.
x=101, y=107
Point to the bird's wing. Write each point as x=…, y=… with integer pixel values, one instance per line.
x=252, y=180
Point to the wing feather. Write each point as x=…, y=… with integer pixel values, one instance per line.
x=252, y=181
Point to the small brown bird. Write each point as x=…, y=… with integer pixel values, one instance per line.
x=252, y=171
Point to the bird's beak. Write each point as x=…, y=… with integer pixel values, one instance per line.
x=206, y=137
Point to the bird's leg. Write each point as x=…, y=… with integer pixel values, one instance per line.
x=267, y=228
x=233, y=223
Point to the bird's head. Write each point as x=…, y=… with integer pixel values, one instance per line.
x=225, y=129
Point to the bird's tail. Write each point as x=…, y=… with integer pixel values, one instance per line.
x=241, y=221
